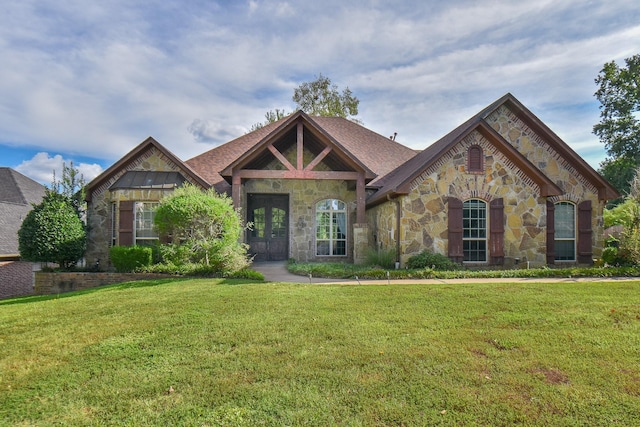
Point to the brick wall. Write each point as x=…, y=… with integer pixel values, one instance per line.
x=54, y=283
x=16, y=279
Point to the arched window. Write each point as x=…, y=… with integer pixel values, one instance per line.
x=474, y=231
x=331, y=228
x=564, y=226
x=475, y=159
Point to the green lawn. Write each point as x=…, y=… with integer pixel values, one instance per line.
x=213, y=352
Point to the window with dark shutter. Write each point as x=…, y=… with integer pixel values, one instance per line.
x=551, y=246
x=474, y=230
x=565, y=231
x=585, y=246
x=125, y=233
x=455, y=230
x=474, y=159
x=496, y=230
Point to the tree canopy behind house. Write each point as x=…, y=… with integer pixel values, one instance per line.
x=318, y=97
x=619, y=127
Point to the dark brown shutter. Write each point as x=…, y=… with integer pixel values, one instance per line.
x=455, y=230
x=496, y=232
x=125, y=233
x=551, y=233
x=475, y=158
x=585, y=246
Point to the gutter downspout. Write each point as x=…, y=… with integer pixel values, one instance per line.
x=397, y=237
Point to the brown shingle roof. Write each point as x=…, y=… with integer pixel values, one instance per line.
x=375, y=152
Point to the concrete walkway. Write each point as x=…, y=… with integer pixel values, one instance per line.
x=276, y=271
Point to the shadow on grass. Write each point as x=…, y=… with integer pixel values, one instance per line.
x=122, y=286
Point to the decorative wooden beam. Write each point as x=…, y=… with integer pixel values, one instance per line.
x=360, y=199
x=318, y=158
x=300, y=147
x=236, y=183
x=280, y=157
x=296, y=174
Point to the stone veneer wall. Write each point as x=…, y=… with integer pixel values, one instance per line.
x=54, y=283
x=303, y=196
x=542, y=154
x=382, y=226
x=424, y=209
x=99, y=209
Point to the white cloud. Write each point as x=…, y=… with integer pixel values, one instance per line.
x=98, y=79
x=42, y=168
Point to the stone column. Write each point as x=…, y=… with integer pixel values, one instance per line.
x=360, y=242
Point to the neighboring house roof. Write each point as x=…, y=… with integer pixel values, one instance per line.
x=18, y=194
x=398, y=181
x=119, y=169
x=372, y=152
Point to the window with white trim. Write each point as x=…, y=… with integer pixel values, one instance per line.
x=144, y=233
x=565, y=231
x=474, y=231
x=331, y=228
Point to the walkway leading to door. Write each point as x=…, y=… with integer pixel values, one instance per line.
x=276, y=271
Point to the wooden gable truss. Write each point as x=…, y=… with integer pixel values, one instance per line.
x=325, y=149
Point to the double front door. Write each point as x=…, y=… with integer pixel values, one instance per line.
x=269, y=237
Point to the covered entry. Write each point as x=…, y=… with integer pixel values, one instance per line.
x=269, y=238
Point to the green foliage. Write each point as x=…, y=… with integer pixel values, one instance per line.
x=71, y=186
x=619, y=128
x=205, y=229
x=271, y=116
x=426, y=259
x=619, y=172
x=321, y=98
x=621, y=214
x=318, y=98
x=385, y=258
x=52, y=232
x=127, y=259
x=613, y=256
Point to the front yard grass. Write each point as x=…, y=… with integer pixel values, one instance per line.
x=227, y=352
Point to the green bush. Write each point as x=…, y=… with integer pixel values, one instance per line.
x=52, y=232
x=427, y=259
x=205, y=229
x=127, y=259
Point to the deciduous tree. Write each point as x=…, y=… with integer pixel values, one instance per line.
x=619, y=127
x=53, y=232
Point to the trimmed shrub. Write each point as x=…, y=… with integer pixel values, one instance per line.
x=426, y=259
x=52, y=232
x=127, y=259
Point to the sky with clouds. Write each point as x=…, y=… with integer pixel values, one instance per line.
x=87, y=81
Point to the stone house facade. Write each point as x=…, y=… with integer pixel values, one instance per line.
x=500, y=189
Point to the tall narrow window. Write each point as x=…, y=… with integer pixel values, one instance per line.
x=474, y=231
x=565, y=231
x=145, y=234
x=331, y=228
x=475, y=159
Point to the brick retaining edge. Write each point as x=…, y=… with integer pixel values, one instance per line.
x=48, y=283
